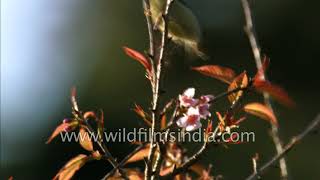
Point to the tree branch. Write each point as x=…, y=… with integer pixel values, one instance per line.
x=156, y=84
x=249, y=29
x=294, y=141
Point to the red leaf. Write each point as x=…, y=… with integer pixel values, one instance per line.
x=89, y=114
x=138, y=109
x=133, y=174
x=163, y=122
x=222, y=123
x=274, y=91
x=223, y=74
x=261, y=111
x=61, y=128
x=262, y=85
x=71, y=167
x=166, y=170
x=228, y=120
x=85, y=140
x=241, y=81
x=140, y=155
x=139, y=57
x=209, y=127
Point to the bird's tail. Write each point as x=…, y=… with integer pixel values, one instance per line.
x=193, y=48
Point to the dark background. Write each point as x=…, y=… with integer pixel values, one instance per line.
x=80, y=43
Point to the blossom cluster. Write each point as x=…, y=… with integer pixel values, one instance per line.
x=193, y=109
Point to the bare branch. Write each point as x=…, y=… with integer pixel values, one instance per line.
x=294, y=141
x=174, y=115
x=249, y=29
x=122, y=163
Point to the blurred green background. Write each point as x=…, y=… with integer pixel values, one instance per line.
x=49, y=46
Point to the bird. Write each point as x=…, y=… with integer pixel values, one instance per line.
x=183, y=26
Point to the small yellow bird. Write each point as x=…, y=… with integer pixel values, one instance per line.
x=183, y=26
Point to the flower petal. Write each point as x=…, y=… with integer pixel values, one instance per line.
x=193, y=111
x=193, y=119
x=204, y=110
x=206, y=98
x=190, y=92
x=194, y=126
x=182, y=122
x=186, y=101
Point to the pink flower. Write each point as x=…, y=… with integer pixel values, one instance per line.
x=206, y=99
x=204, y=106
x=186, y=99
x=190, y=120
x=196, y=109
x=204, y=110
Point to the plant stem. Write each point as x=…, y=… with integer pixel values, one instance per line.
x=149, y=174
x=106, y=152
x=148, y=15
x=227, y=93
x=122, y=163
x=294, y=141
x=249, y=29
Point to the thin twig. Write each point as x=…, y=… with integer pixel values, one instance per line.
x=254, y=163
x=173, y=117
x=227, y=93
x=249, y=29
x=123, y=162
x=294, y=141
x=162, y=145
x=167, y=106
x=107, y=153
x=174, y=114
